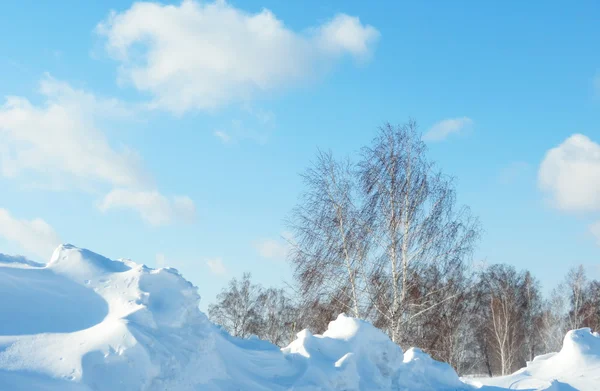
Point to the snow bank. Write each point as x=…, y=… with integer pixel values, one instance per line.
x=575, y=367
x=85, y=322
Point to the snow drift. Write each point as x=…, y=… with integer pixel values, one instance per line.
x=85, y=322
x=575, y=367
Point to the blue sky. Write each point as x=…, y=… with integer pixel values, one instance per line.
x=175, y=135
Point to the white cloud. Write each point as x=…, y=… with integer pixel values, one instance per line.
x=345, y=33
x=570, y=174
x=152, y=206
x=223, y=136
x=60, y=142
x=216, y=266
x=200, y=55
x=34, y=236
x=274, y=249
x=441, y=130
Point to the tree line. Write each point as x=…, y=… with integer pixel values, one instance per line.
x=380, y=237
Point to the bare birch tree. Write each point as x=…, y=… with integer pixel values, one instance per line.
x=238, y=308
x=278, y=317
x=505, y=321
x=328, y=252
x=531, y=313
x=553, y=321
x=413, y=220
x=244, y=308
x=576, y=284
x=593, y=305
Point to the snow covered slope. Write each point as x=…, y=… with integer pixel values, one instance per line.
x=85, y=322
x=575, y=367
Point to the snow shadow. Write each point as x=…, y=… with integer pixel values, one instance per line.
x=34, y=301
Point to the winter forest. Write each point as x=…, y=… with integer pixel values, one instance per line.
x=380, y=236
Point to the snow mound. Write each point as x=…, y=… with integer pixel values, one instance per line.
x=351, y=354
x=575, y=367
x=580, y=347
x=84, y=322
x=354, y=355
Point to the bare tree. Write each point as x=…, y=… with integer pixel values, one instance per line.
x=244, y=308
x=531, y=303
x=553, y=321
x=593, y=305
x=278, y=317
x=447, y=332
x=576, y=284
x=504, y=287
x=238, y=308
x=316, y=312
x=413, y=220
x=328, y=252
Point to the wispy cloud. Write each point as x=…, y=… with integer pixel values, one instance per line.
x=34, y=236
x=61, y=142
x=223, y=136
x=252, y=124
x=216, y=266
x=274, y=249
x=203, y=55
x=441, y=130
x=152, y=206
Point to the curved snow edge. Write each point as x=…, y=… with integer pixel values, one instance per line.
x=154, y=337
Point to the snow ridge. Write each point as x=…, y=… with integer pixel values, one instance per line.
x=85, y=322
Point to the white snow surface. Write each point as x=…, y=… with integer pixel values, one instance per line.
x=575, y=367
x=85, y=322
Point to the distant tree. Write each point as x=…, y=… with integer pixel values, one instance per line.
x=328, y=251
x=504, y=288
x=239, y=307
x=244, y=308
x=315, y=312
x=553, y=321
x=531, y=302
x=279, y=317
x=447, y=332
x=583, y=299
x=576, y=284
x=593, y=305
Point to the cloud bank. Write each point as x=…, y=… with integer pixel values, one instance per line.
x=61, y=144
x=200, y=55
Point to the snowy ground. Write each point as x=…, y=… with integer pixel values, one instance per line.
x=575, y=367
x=84, y=322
